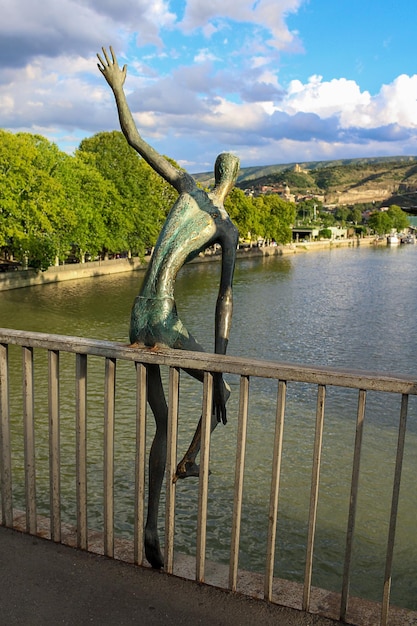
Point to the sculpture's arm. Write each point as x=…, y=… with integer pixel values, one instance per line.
x=223, y=319
x=224, y=304
x=116, y=77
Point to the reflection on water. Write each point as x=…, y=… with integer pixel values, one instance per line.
x=351, y=308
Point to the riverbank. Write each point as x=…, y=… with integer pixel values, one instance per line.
x=76, y=271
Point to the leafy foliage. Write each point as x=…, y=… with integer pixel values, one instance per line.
x=145, y=197
x=33, y=217
x=269, y=216
x=383, y=222
x=107, y=199
x=325, y=233
x=380, y=222
x=104, y=199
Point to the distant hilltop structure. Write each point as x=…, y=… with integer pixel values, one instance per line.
x=299, y=170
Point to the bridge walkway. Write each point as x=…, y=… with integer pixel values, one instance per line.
x=44, y=583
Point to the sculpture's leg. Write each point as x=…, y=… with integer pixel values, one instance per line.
x=157, y=459
x=187, y=466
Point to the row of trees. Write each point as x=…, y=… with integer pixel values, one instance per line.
x=381, y=222
x=103, y=199
x=106, y=199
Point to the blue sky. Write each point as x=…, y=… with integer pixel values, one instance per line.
x=274, y=81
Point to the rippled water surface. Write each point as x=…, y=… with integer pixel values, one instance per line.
x=349, y=308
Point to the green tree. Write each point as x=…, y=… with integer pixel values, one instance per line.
x=145, y=196
x=326, y=219
x=325, y=233
x=99, y=223
x=277, y=218
x=355, y=215
x=309, y=209
x=242, y=211
x=266, y=216
x=380, y=222
x=341, y=214
x=398, y=217
x=32, y=217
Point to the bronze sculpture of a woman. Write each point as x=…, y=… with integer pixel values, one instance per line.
x=196, y=221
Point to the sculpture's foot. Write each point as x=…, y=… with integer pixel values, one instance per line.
x=186, y=469
x=153, y=551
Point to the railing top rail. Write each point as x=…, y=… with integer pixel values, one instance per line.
x=290, y=372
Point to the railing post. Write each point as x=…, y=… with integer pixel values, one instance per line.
x=140, y=462
x=274, y=495
x=173, y=402
x=81, y=448
x=5, y=452
x=394, y=509
x=109, y=409
x=204, y=476
x=29, y=440
x=54, y=446
x=314, y=496
x=353, y=502
x=239, y=472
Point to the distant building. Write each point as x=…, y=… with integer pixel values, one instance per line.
x=281, y=190
x=305, y=234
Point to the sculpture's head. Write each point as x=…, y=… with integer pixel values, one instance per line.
x=226, y=169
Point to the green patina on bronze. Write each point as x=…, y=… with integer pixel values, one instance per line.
x=197, y=221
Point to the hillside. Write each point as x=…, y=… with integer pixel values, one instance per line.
x=346, y=181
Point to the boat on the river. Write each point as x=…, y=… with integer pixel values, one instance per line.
x=408, y=239
x=393, y=239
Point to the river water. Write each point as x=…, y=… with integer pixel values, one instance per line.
x=350, y=308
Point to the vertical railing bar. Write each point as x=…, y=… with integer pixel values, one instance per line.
x=354, y=485
x=173, y=402
x=29, y=440
x=239, y=474
x=274, y=495
x=394, y=509
x=314, y=495
x=54, y=446
x=5, y=450
x=204, y=476
x=109, y=409
x=81, y=448
x=140, y=462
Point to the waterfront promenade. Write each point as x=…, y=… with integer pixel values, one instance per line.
x=44, y=583
x=91, y=269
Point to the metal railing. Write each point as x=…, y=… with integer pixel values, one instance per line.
x=112, y=353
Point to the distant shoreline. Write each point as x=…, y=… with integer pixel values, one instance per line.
x=76, y=271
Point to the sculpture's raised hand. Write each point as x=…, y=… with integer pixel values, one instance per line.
x=111, y=70
x=220, y=396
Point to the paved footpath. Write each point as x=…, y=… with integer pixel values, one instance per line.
x=43, y=583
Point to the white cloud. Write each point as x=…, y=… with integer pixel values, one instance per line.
x=259, y=61
x=324, y=98
x=30, y=28
x=267, y=13
x=203, y=56
x=394, y=104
